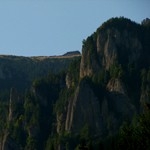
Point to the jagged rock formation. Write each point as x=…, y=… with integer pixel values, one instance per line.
x=110, y=45
x=117, y=44
x=102, y=115
x=14, y=103
x=68, y=81
x=83, y=109
x=116, y=85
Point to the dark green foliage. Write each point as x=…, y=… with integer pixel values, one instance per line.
x=120, y=23
x=63, y=100
x=116, y=71
x=73, y=72
x=90, y=44
x=145, y=79
x=132, y=77
x=136, y=136
x=52, y=143
x=101, y=78
x=66, y=140
x=65, y=93
x=17, y=132
x=19, y=72
x=33, y=122
x=39, y=109
x=3, y=116
x=89, y=49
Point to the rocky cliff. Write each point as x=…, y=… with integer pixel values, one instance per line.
x=116, y=41
x=15, y=103
x=112, y=58
x=83, y=109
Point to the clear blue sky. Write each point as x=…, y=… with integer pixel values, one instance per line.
x=53, y=27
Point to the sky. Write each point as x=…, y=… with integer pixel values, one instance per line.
x=54, y=27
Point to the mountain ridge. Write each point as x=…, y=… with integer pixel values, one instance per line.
x=67, y=54
x=20, y=71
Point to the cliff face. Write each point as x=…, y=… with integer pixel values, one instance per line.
x=100, y=114
x=103, y=115
x=116, y=48
x=83, y=109
x=14, y=104
x=110, y=46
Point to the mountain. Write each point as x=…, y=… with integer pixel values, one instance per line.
x=19, y=72
x=72, y=53
x=100, y=101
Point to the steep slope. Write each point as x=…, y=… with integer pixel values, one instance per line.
x=116, y=41
x=110, y=90
x=118, y=49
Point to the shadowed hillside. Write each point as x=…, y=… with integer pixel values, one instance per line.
x=19, y=72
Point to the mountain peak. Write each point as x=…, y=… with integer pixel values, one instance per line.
x=118, y=40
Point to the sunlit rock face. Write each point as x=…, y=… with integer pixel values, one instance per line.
x=111, y=44
x=82, y=110
x=102, y=115
x=109, y=47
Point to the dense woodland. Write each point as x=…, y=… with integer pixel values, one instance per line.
x=30, y=105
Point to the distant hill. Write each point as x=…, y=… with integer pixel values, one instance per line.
x=72, y=53
x=19, y=71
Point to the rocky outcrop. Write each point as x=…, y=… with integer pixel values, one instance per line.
x=14, y=102
x=119, y=98
x=110, y=46
x=116, y=85
x=72, y=53
x=69, y=82
x=106, y=47
x=83, y=110
x=104, y=115
x=89, y=60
